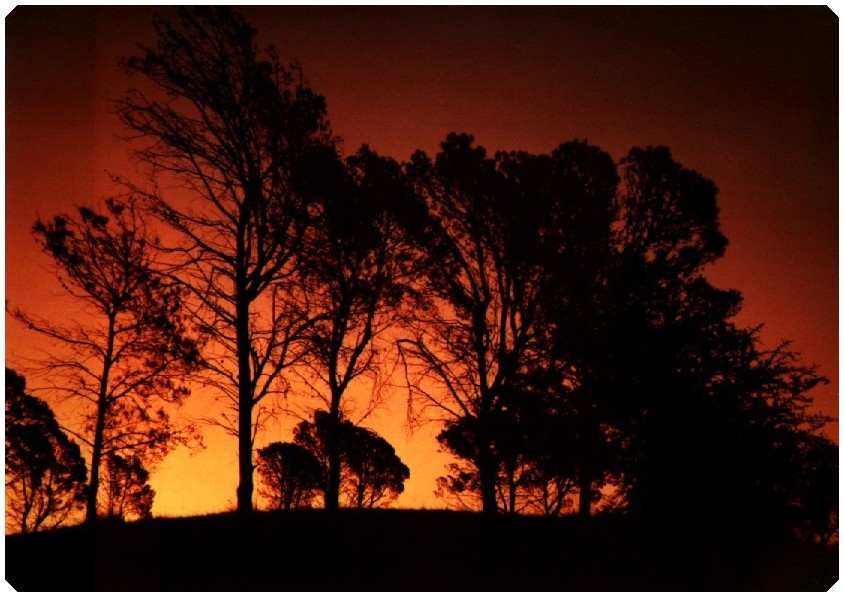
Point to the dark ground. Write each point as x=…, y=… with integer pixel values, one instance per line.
x=394, y=550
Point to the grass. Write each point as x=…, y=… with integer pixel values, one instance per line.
x=401, y=550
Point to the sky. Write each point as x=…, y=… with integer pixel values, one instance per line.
x=748, y=96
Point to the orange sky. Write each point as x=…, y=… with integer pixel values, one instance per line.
x=747, y=96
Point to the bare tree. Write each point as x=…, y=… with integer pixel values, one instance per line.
x=229, y=125
x=125, y=362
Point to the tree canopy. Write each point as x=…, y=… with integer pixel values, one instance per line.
x=371, y=473
x=292, y=477
x=125, y=488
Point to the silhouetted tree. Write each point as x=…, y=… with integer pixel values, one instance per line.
x=292, y=476
x=536, y=451
x=479, y=243
x=507, y=440
x=127, y=361
x=45, y=472
x=765, y=451
x=371, y=473
x=374, y=474
x=571, y=378
x=671, y=323
x=230, y=124
x=697, y=422
x=629, y=304
x=817, y=482
x=357, y=267
x=126, y=494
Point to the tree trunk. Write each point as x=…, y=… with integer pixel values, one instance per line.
x=99, y=428
x=489, y=503
x=244, y=429
x=26, y=508
x=332, y=447
x=588, y=446
x=487, y=471
x=585, y=503
x=332, y=493
x=590, y=440
x=96, y=459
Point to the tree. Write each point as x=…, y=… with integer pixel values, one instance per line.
x=571, y=376
x=485, y=279
x=536, y=450
x=292, y=476
x=231, y=124
x=573, y=340
x=514, y=248
x=672, y=325
x=126, y=363
x=357, y=268
x=630, y=308
x=461, y=487
x=126, y=494
x=776, y=470
x=375, y=475
x=371, y=473
x=699, y=423
x=45, y=472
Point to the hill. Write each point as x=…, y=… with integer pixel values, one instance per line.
x=395, y=550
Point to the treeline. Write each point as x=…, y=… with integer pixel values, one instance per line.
x=550, y=309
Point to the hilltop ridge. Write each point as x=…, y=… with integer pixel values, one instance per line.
x=425, y=550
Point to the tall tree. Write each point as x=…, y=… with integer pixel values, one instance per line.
x=493, y=240
x=672, y=324
x=45, y=472
x=357, y=267
x=126, y=362
x=713, y=429
x=581, y=186
x=230, y=124
x=470, y=333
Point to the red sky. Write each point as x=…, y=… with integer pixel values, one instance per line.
x=746, y=95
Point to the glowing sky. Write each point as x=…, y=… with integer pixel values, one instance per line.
x=747, y=96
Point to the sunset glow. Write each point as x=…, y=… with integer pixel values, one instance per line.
x=747, y=99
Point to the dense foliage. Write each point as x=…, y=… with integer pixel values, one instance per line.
x=292, y=477
x=45, y=472
x=126, y=493
x=371, y=473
